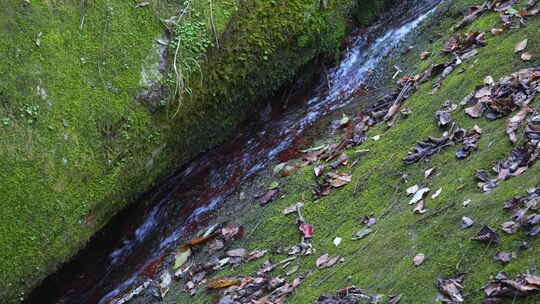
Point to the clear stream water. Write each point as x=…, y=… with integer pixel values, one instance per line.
x=138, y=238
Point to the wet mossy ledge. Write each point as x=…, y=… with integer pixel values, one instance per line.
x=92, y=114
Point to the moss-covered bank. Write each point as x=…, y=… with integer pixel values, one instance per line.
x=382, y=263
x=77, y=141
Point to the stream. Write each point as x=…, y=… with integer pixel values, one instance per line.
x=133, y=245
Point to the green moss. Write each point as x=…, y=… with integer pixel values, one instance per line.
x=382, y=263
x=76, y=146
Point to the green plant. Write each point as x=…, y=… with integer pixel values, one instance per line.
x=191, y=41
x=29, y=113
x=5, y=121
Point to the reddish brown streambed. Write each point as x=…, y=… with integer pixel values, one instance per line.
x=136, y=241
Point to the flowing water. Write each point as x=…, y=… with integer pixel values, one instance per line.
x=138, y=239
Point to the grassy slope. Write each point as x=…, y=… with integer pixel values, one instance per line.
x=382, y=263
x=72, y=157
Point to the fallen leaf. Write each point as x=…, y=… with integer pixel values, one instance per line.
x=466, y=222
x=362, y=234
x=319, y=169
x=437, y=193
x=428, y=173
x=274, y=185
x=307, y=229
x=497, y=31
x=475, y=111
x=339, y=180
x=424, y=55
x=293, y=208
x=292, y=270
x=451, y=288
x=181, y=257
x=502, y=257
x=342, y=160
x=266, y=267
x=466, y=203
x=487, y=235
x=510, y=227
x=200, y=240
x=232, y=232
x=142, y=4
x=337, y=241
x=419, y=195
x=237, y=253
x=215, y=245
x=489, y=80
x=513, y=123
x=369, y=221
x=526, y=56
x=326, y=261
x=412, y=189
x=257, y=254
x=279, y=167
x=522, y=45
x=344, y=120
x=223, y=282
x=443, y=119
x=419, y=259
x=269, y=196
x=420, y=207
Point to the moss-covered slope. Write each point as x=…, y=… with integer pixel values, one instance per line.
x=382, y=263
x=77, y=141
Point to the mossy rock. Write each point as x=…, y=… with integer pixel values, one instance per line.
x=77, y=141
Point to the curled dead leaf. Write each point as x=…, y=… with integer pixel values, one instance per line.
x=522, y=45
x=419, y=259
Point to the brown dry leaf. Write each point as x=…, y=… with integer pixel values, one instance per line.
x=466, y=222
x=237, y=253
x=526, y=56
x=503, y=257
x=339, y=180
x=419, y=259
x=451, y=288
x=215, y=245
x=510, y=227
x=437, y=193
x=513, y=123
x=489, y=80
x=223, y=282
x=288, y=170
x=412, y=189
x=232, y=232
x=200, y=240
x=268, y=197
x=307, y=230
x=487, y=235
x=497, y=31
x=475, y=111
x=522, y=45
x=424, y=55
x=428, y=172
x=319, y=169
x=420, y=207
x=257, y=254
x=326, y=261
x=342, y=160
x=293, y=208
